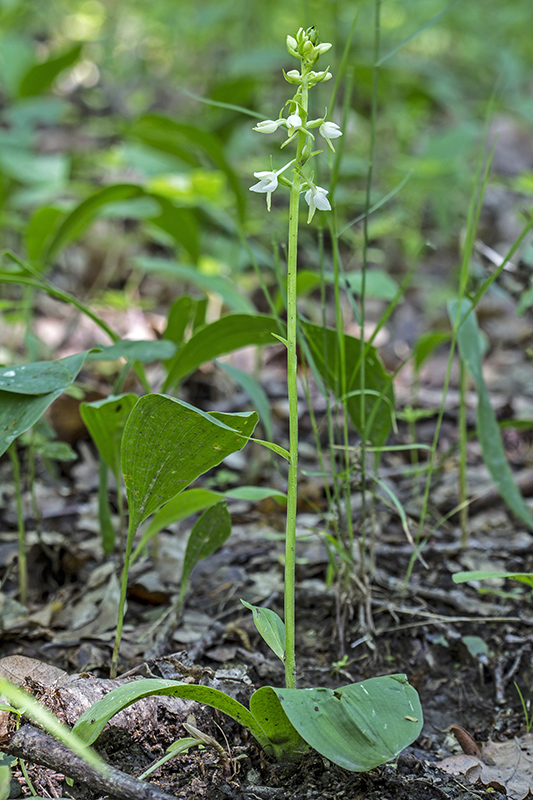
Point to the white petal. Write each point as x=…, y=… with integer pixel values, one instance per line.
x=321, y=201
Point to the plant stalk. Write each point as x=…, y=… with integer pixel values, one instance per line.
x=292, y=391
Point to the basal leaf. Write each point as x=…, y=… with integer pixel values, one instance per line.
x=40, y=76
x=269, y=713
x=358, y=726
x=92, y=722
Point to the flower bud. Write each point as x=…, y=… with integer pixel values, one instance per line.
x=268, y=126
x=292, y=76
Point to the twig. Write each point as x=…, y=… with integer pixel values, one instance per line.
x=38, y=747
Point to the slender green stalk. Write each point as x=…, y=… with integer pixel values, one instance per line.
x=23, y=568
x=463, y=494
x=132, y=530
x=292, y=391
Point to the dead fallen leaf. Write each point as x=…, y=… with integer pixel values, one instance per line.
x=511, y=766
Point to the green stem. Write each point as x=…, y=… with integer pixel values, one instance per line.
x=132, y=530
x=23, y=569
x=292, y=391
x=463, y=433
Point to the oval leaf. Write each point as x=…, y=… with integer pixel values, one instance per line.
x=270, y=626
x=105, y=420
x=358, y=726
x=167, y=444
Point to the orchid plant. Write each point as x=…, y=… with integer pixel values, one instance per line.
x=358, y=726
x=305, y=46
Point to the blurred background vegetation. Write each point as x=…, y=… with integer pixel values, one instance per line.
x=96, y=92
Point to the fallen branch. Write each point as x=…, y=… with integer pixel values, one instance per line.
x=34, y=745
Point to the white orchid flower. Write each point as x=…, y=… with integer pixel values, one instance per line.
x=294, y=122
x=269, y=125
x=330, y=130
x=315, y=197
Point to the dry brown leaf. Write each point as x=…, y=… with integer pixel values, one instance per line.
x=511, y=766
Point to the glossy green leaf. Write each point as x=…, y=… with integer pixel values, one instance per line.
x=83, y=214
x=222, y=336
x=217, y=284
x=41, y=377
x=92, y=722
x=269, y=713
x=209, y=533
x=105, y=420
x=487, y=425
x=167, y=444
x=483, y=575
x=358, y=726
x=379, y=392
x=41, y=76
x=270, y=626
x=137, y=350
x=21, y=404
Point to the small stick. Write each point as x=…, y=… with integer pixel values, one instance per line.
x=38, y=747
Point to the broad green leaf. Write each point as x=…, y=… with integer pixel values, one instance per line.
x=167, y=444
x=255, y=392
x=217, y=284
x=21, y=406
x=190, y=143
x=191, y=501
x=268, y=711
x=18, y=412
x=358, y=726
x=222, y=336
x=92, y=722
x=483, y=575
x=379, y=392
x=105, y=420
x=40, y=230
x=41, y=377
x=41, y=76
x=179, y=318
x=487, y=425
x=377, y=283
x=209, y=533
x=270, y=626
x=138, y=350
x=84, y=213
